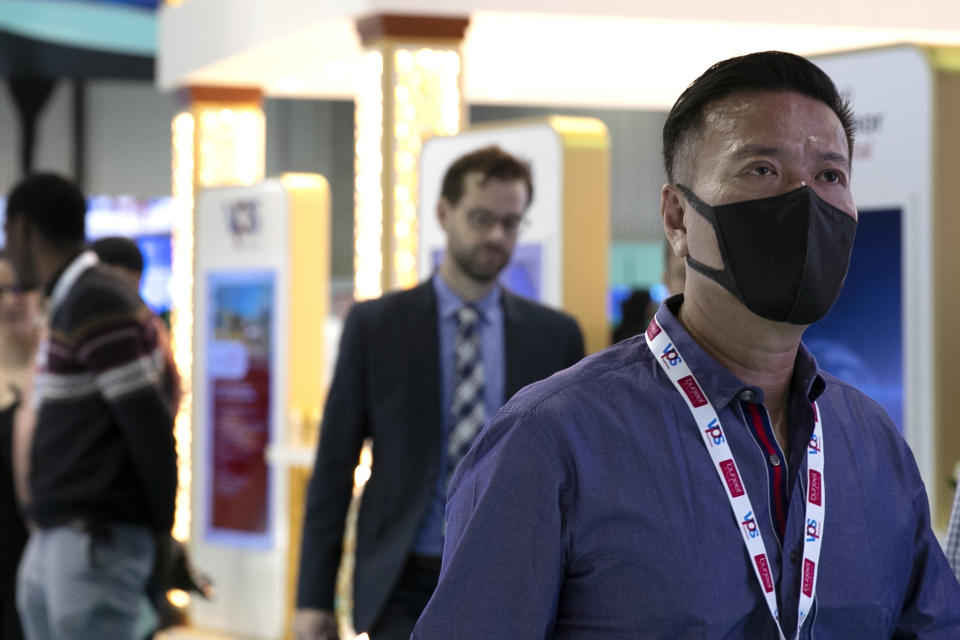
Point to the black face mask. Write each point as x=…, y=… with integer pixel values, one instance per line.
x=785, y=257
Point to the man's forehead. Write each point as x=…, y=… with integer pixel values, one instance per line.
x=755, y=120
x=474, y=178
x=748, y=104
x=475, y=181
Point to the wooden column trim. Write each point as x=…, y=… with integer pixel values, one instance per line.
x=393, y=25
x=192, y=94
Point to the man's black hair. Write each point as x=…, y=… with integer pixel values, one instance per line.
x=53, y=205
x=119, y=252
x=772, y=71
x=490, y=162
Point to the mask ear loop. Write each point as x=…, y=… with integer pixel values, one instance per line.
x=721, y=276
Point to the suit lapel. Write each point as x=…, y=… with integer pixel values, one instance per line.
x=421, y=333
x=515, y=346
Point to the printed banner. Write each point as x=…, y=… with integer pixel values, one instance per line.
x=239, y=378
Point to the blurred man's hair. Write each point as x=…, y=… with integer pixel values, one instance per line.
x=119, y=251
x=53, y=205
x=490, y=162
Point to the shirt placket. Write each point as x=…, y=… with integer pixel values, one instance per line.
x=764, y=456
x=786, y=553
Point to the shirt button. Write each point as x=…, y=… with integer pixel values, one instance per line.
x=794, y=556
x=774, y=460
x=746, y=395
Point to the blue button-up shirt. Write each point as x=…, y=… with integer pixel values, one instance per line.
x=429, y=540
x=589, y=508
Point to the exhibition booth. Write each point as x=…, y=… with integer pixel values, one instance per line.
x=251, y=252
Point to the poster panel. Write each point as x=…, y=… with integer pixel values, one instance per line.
x=240, y=369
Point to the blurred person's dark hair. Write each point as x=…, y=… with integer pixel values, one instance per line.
x=771, y=71
x=636, y=311
x=490, y=162
x=119, y=251
x=53, y=205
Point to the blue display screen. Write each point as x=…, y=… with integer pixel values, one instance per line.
x=861, y=340
x=157, y=269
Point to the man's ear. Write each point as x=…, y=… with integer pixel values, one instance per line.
x=443, y=212
x=672, y=211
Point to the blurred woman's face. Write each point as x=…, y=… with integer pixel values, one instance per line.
x=8, y=293
x=14, y=304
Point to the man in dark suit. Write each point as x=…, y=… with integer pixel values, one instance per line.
x=418, y=372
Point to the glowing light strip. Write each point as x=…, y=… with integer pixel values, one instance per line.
x=231, y=145
x=424, y=100
x=213, y=145
x=181, y=315
x=368, y=197
x=426, y=85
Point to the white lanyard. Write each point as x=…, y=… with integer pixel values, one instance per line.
x=716, y=442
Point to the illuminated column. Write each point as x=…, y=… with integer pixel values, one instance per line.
x=218, y=140
x=409, y=88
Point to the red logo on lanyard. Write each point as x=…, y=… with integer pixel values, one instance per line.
x=654, y=329
x=809, y=568
x=764, y=569
x=814, y=493
x=732, y=477
x=692, y=389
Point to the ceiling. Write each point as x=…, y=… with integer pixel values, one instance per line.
x=603, y=53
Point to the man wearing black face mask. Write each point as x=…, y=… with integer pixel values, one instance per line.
x=706, y=479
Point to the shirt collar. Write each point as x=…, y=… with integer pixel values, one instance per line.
x=806, y=375
x=721, y=386
x=448, y=302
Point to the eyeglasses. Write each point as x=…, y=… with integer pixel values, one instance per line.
x=484, y=220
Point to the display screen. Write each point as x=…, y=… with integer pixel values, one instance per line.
x=861, y=340
x=147, y=221
x=157, y=253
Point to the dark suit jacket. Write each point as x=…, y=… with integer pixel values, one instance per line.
x=386, y=386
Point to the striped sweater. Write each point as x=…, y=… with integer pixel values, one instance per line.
x=103, y=449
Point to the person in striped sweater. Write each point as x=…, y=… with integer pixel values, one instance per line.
x=102, y=463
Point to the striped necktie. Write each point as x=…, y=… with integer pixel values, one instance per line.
x=468, y=403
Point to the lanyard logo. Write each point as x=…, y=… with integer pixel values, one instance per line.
x=692, y=391
x=670, y=356
x=715, y=432
x=763, y=567
x=732, y=477
x=814, y=447
x=809, y=572
x=815, y=491
x=813, y=529
x=749, y=524
x=653, y=330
